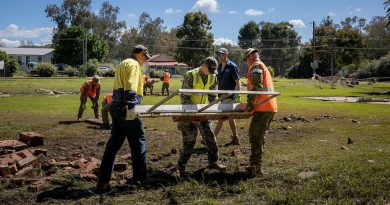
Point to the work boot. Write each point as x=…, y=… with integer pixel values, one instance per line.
x=219, y=167
x=254, y=171
x=234, y=141
x=179, y=172
x=102, y=188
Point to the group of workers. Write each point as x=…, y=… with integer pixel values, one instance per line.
x=211, y=75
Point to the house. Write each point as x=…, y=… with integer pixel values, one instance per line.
x=27, y=55
x=165, y=61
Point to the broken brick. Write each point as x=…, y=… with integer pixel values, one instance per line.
x=37, y=186
x=6, y=170
x=7, y=161
x=120, y=167
x=32, y=139
x=16, y=157
x=24, y=171
x=12, y=144
x=98, y=162
x=6, y=151
x=79, y=164
x=26, y=161
x=91, y=166
x=25, y=153
x=88, y=177
x=39, y=151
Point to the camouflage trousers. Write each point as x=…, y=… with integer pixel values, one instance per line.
x=83, y=102
x=189, y=131
x=257, y=129
x=105, y=112
x=165, y=86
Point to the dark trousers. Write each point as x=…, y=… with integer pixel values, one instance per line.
x=164, y=87
x=133, y=130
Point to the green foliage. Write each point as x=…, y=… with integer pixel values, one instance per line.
x=194, y=33
x=71, y=71
x=348, y=69
x=45, y=70
x=377, y=36
x=249, y=36
x=304, y=69
x=236, y=54
x=92, y=67
x=156, y=73
x=271, y=70
x=375, y=68
x=11, y=65
x=69, y=46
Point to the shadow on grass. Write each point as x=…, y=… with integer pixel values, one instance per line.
x=156, y=180
x=69, y=122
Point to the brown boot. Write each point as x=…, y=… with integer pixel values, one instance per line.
x=219, y=167
x=234, y=141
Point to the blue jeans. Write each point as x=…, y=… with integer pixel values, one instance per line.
x=133, y=130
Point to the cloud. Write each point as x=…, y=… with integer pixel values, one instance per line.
x=131, y=16
x=13, y=31
x=270, y=10
x=172, y=11
x=253, y=12
x=9, y=43
x=297, y=23
x=332, y=14
x=206, y=5
x=358, y=9
x=232, y=12
x=219, y=41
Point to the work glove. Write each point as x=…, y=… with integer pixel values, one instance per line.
x=237, y=99
x=249, y=107
x=131, y=114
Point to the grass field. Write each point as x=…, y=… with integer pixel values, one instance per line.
x=357, y=174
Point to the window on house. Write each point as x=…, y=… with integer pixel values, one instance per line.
x=39, y=58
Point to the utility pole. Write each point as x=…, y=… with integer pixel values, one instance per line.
x=85, y=51
x=314, y=63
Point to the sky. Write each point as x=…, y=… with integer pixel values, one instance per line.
x=26, y=20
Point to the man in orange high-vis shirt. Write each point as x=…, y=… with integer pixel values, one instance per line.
x=165, y=85
x=259, y=79
x=90, y=89
x=105, y=110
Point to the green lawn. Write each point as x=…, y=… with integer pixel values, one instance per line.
x=358, y=174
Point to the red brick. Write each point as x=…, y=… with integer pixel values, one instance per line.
x=25, y=153
x=26, y=161
x=79, y=164
x=39, y=151
x=24, y=171
x=12, y=144
x=98, y=162
x=37, y=186
x=88, y=177
x=6, y=151
x=120, y=167
x=7, y=161
x=32, y=139
x=6, y=170
x=91, y=166
x=16, y=157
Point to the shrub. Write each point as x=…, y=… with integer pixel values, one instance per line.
x=11, y=65
x=45, y=69
x=271, y=70
x=155, y=73
x=70, y=71
x=91, y=68
x=383, y=67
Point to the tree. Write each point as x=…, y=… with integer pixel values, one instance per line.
x=69, y=47
x=11, y=65
x=377, y=36
x=196, y=41
x=27, y=44
x=387, y=8
x=70, y=13
x=105, y=24
x=249, y=36
x=280, y=42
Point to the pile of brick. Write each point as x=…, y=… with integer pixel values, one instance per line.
x=22, y=163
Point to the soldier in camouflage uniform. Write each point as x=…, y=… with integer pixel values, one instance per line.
x=199, y=78
x=259, y=79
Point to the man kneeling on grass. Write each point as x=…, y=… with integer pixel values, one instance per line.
x=202, y=78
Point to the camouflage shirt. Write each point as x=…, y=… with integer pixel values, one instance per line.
x=256, y=76
x=188, y=84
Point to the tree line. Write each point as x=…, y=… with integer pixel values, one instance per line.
x=353, y=41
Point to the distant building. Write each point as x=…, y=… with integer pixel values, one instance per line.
x=27, y=55
x=165, y=61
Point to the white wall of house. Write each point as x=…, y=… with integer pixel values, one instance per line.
x=23, y=60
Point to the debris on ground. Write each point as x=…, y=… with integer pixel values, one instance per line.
x=350, y=141
x=305, y=175
x=293, y=118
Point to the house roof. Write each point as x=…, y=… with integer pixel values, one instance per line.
x=164, y=60
x=27, y=51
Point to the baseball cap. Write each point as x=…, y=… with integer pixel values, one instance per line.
x=222, y=51
x=140, y=48
x=211, y=63
x=96, y=78
x=249, y=51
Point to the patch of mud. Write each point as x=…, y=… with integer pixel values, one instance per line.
x=382, y=101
